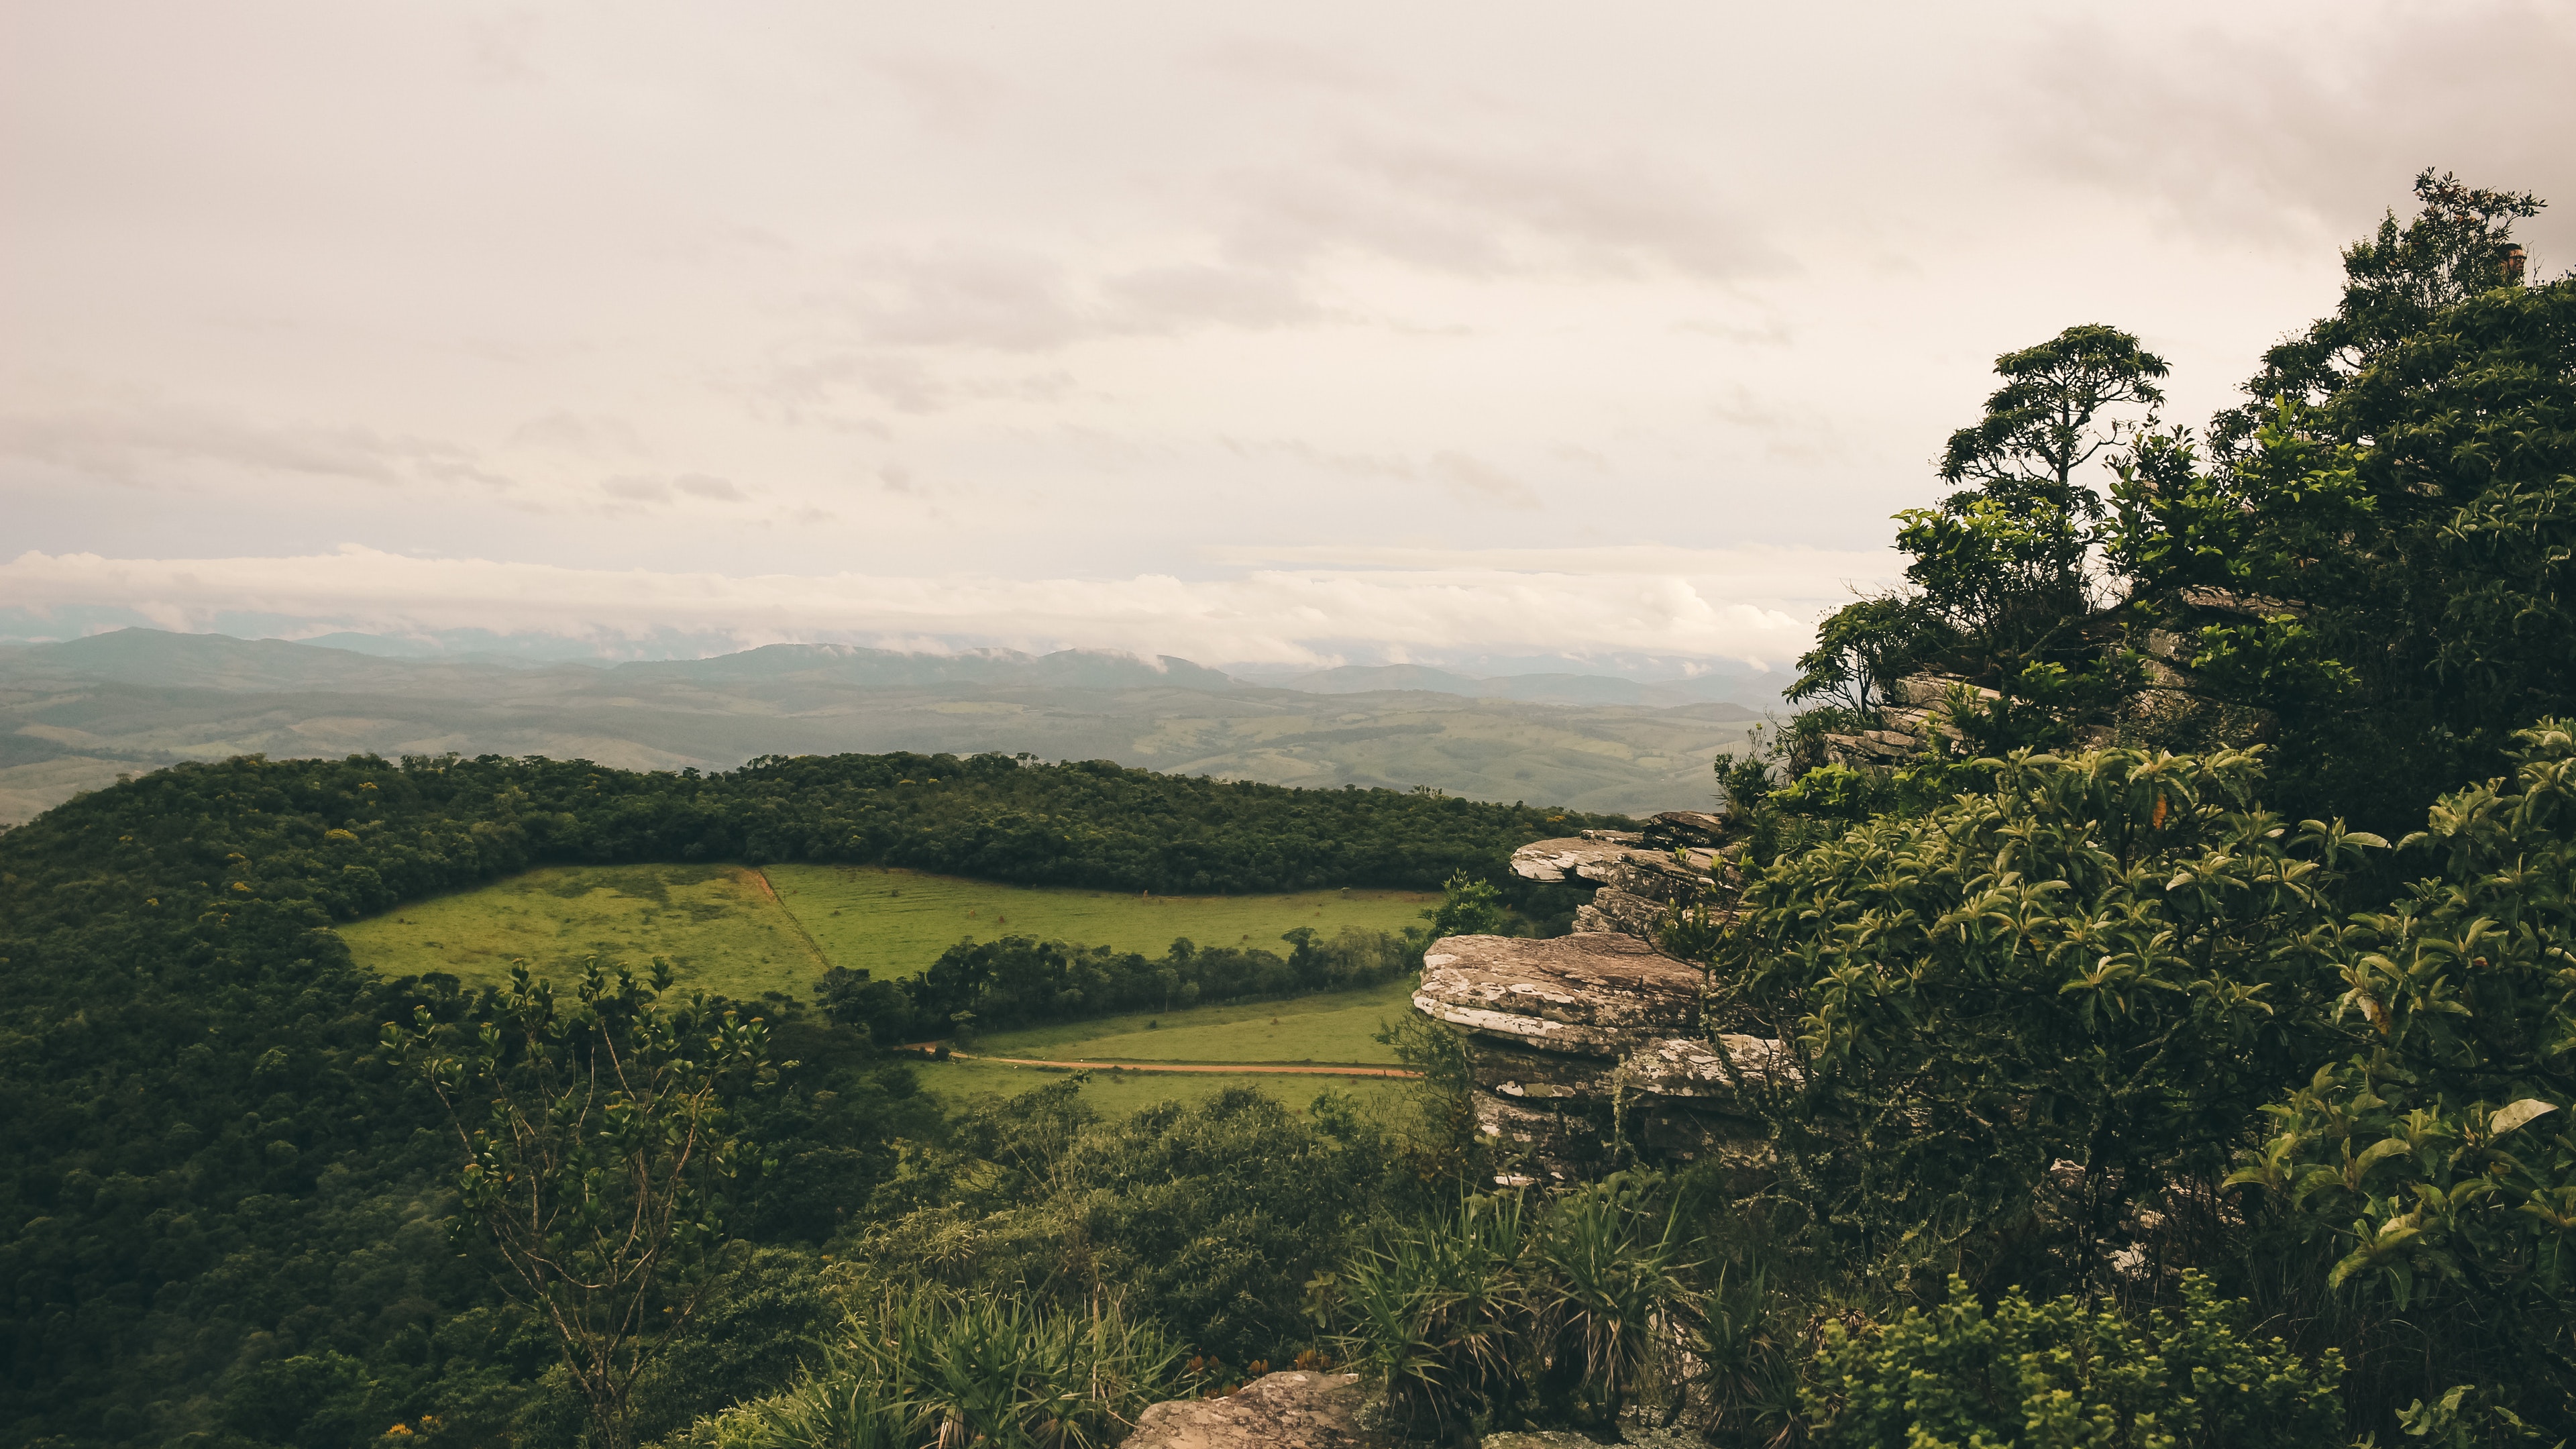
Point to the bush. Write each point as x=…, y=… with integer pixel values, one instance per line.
x=2042, y=1376
x=932, y=1367
x=1494, y=1314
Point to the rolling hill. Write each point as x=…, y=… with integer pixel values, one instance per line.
x=76, y=715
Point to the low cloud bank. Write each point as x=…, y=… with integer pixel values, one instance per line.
x=1758, y=605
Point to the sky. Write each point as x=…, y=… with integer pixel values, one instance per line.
x=1293, y=335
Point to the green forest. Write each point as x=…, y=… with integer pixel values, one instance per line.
x=2166, y=895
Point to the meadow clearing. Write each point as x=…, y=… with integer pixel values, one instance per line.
x=1115, y=1094
x=718, y=926
x=742, y=932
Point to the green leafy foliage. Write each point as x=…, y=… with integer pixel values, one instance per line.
x=2066, y=1375
x=2402, y=490
x=213, y=1168
x=2083, y=965
x=1209, y=1217
x=1468, y=907
x=599, y=1157
x=2440, y=1154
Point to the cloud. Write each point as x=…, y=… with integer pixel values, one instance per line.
x=2307, y=133
x=1479, y=482
x=1496, y=602
x=1463, y=477
x=1493, y=209
x=142, y=444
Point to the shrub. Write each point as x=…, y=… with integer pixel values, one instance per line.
x=932, y=1367
x=2057, y=1375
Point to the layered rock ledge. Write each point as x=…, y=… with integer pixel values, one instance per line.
x=1587, y=1047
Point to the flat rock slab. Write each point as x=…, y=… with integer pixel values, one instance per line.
x=1677, y=874
x=1594, y=993
x=1292, y=1410
x=1685, y=827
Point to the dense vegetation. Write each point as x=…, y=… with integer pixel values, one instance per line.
x=2166, y=906
x=226, y=1209
x=2177, y=875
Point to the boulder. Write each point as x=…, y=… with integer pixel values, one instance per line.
x=1685, y=827
x=1594, y=993
x=1291, y=1410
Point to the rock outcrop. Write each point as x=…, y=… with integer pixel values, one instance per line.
x=1589, y=1046
x=1292, y=1410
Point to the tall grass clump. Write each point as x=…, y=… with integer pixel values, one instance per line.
x=927, y=1368
x=1509, y=1311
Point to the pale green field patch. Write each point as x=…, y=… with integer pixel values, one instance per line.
x=717, y=925
x=1116, y=1094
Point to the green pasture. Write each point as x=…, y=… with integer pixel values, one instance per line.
x=1332, y=1028
x=1116, y=1094
x=896, y=922
x=718, y=925
x=742, y=931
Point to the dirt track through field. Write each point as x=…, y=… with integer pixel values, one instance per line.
x=1227, y=1068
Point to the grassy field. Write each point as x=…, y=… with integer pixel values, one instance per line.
x=896, y=922
x=1115, y=1094
x=1337, y=1027
x=742, y=932
x=718, y=925
x=725, y=929
x=1333, y=1028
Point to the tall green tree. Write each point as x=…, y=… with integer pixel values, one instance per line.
x=2002, y=561
x=600, y=1159
x=2393, y=515
x=2002, y=572
x=2397, y=283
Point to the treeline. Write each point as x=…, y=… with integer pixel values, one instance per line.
x=212, y=1173
x=1019, y=980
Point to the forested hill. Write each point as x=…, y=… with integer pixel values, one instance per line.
x=207, y=1158
x=357, y=835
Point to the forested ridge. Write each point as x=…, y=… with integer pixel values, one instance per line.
x=212, y=1167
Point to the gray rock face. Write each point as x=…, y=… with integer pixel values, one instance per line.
x=1587, y=1049
x=1685, y=827
x=1593, y=993
x=1665, y=874
x=1612, y=909
x=1293, y=1410
x=1726, y=1071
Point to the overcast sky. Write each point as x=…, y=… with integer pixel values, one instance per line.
x=1326, y=332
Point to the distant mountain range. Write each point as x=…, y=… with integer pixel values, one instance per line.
x=76, y=715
